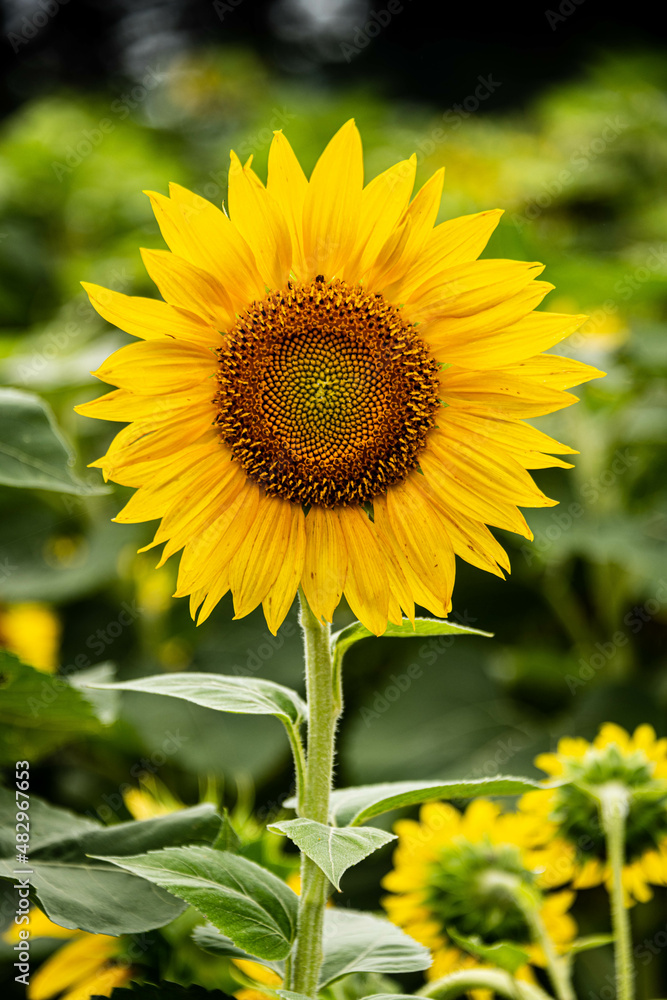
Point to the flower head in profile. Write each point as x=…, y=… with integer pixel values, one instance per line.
x=86, y=965
x=474, y=876
x=333, y=392
x=635, y=764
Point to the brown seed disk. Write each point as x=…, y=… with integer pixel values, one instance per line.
x=325, y=394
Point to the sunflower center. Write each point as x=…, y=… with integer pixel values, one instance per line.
x=473, y=890
x=325, y=394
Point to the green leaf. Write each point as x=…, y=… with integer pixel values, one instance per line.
x=360, y=942
x=77, y=891
x=503, y=954
x=40, y=712
x=333, y=849
x=243, y=900
x=240, y=695
x=33, y=452
x=392, y=996
x=590, y=942
x=164, y=991
x=227, y=839
x=105, y=703
x=352, y=806
x=341, y=641
x=210, y=940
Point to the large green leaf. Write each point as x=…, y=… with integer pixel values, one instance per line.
x=333, y=849
x=245, y=901
x=164, y=991
x=209, y=939
x=76, y=890
x=360, y=942
x=352, y=806
x=33, y=452
x=341, y=641
x=40, y=712
x=242, y=695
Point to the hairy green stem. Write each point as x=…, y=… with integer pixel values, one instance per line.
x=324, y=707
x=614, y=809
x=458, y=983
x=299, y=757
x=556, y=967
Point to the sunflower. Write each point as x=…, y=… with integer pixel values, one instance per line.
x=87, y=965
x=333, y=392
x=467, y=876
x=571, y=811
x=32, y=632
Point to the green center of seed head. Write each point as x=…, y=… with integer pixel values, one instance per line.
x=475, y=891
x=598, y=774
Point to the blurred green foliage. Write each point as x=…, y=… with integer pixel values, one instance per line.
x=579, y=627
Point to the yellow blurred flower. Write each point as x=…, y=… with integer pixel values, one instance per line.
x=471, y=873
x=87, y=965
x=570, y=813
x=32, y=632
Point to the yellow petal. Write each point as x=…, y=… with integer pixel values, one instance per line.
x=281, y=595
x=189, y=287
x=287, y=184
x=257, y=561
x=441, y=333
x=476, y=464
x=325, y=562
x=472, y=541
x=453, y=242
x=234, y=264
x=366, y=586
x=76, y=960
x=149, y=367
x=172, y=483
x=489, y=429
x=260, y=221
x=150, y=319
x=208, y=554
x=504, y=391
x=127, y=406
x=102, y=983
x=501, y=348
x=466, y=499
x=551, y=370
x=39, y=926
x=469, y=288
x=417, y=225
x=399, y=588
x=383, y=203
x=204, y=500
x=424, y=550
x=332, y=204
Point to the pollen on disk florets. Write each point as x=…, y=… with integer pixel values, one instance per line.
x=325, y=394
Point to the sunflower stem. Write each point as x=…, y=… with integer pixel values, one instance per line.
x=614, y=806
x=502, y=984
x=556, y=966
x=324, y=708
